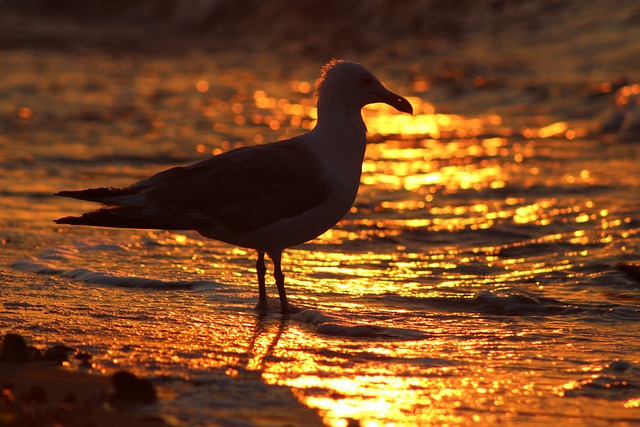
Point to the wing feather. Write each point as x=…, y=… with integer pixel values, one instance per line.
x=243, y=189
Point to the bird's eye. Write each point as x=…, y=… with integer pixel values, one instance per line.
x=368, y=80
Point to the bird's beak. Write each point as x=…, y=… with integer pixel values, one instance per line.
x=396, y=101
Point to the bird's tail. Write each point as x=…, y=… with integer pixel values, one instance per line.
x=127, y=217
x=100, y=195
x=125, y=209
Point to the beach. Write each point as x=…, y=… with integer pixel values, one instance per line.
x=486, y=274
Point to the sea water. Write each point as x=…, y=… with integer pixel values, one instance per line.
x=474, y=282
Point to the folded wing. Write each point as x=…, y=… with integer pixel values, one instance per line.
x=240, y=190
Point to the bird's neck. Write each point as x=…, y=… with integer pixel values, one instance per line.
x=340, y=137
x=341, y=121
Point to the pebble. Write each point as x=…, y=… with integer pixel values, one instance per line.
x=632, y=271
x=14, y=349
x=58, y=353
x=131, y=390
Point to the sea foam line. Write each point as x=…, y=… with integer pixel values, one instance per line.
x=97, y=278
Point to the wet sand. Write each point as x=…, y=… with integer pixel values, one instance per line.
x=38, y=393
x=37, y=390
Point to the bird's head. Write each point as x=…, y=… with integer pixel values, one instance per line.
x=352, y=84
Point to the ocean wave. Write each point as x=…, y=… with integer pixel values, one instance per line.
x=92, y=277
x=58, y=253
x=323, y=323
x=620, y=380
x=328, y=325
x=515, y=302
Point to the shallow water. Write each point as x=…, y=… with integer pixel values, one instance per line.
x=474, y=282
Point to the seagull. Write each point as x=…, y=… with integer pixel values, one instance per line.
x=266, y=197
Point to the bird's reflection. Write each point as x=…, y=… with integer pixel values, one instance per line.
x=264, y=339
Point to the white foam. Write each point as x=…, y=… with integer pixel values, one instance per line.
x=98, y=278
x=328, y=325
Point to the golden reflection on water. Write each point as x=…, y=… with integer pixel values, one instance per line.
x=381, y=394
x=381, y=119
x=452, y=154
x=417, y=160
x=370, y=394
x=384, y=120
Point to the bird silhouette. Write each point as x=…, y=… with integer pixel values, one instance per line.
x=266, y=197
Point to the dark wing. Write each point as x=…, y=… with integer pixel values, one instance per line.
x=100, y=195
x=242, y=190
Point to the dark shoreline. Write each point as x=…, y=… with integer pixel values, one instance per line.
x=39, y=389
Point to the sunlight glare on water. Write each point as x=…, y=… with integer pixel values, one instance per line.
x=473, y=281
x=426, y=168
x=430, y=156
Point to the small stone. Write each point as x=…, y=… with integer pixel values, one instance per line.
x=14, y=349
x=35, y=354
x=82, y=355
x=632, y=271
x=58, y=353
x=86, y=364
x=131, y=390
x=620, y=366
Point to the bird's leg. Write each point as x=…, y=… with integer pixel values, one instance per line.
x=279, y=276
x=262, y=289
